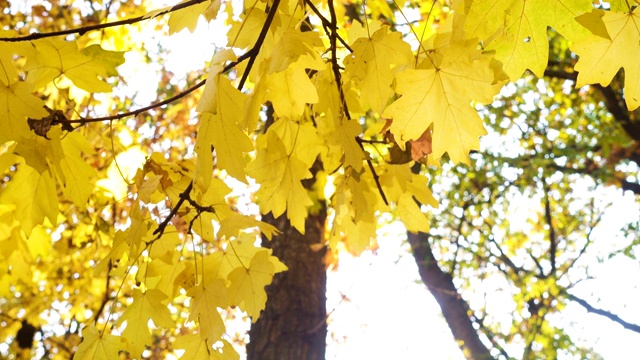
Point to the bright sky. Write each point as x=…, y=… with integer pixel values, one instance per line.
x=388, y=312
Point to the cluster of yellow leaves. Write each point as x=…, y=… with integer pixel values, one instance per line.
x=234, y=275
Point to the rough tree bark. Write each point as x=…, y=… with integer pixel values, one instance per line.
x=293, y=324
x=454, y=308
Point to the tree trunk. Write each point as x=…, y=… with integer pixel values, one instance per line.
x=293, y=324
x=454, y=308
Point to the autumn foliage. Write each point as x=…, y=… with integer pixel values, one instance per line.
x=116, y=227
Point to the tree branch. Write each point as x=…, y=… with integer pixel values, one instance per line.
x=255, y=50
x=334, y=59
x=136, y=112
x=82, y=30
x=553, y=238
x=251, y=55
x=612, y=101
x=607, y=314
x=376, y=178
x=454, y=309
x=184, y=196
x=327, y=24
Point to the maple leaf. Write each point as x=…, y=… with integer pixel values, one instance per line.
x=197, y=348
x=247, y=284
x=345, y=135
x=168, y=273
x=279, y=176
x=231, y=226
x=78, y=183
x=285, y=154
x=435, y=94
x=206, y=299
x=16, y=99
x=145, y=306
x=290, y=90
x=517, y=29
x=622, y=5
x=34, y=195
x=98, y=345
x=401, y=185
x=17, y=103
x=602, y=56
x=222, y=106
x=236, y=254
x=51, y=58
x=292, y=45
x=39, y=242
x=188, y=17
x=371, y=65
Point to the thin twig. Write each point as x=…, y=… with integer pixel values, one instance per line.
x=376, y=178
x=161, y=103
x=607, y=314
x=82, y=30
x=334, y=59
x=183, y=197
x=255, y=50
x=326, y=23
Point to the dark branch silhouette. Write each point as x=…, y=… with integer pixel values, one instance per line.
x=607, y=314
x=250, y=54
x=85, y=29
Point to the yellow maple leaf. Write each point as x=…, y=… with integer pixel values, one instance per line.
x=517, y=29
x=98, y=345
x=78, y=183
x=222, y=107
x=622, y=5
x=145, y=306
x=292, y=45
x=284, y=157
x=206, y=299
x=236, y=254
x=34, y=195
x=17, y=103
x=196, y=348
x=440, y=92
x=229, y=143
x=290, y=90
x=168, y=273
x=400, y=186
x=39, y=242
x=86, y=68
x=165, y=247
x=247, y=284
x=371, y=65
x=188, y=17
x=230, y=226
x=602, y=57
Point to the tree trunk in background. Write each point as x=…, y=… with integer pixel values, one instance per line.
x=293, y=324
x=454, y=308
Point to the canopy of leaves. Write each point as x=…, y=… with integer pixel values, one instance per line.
x=114, y=213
